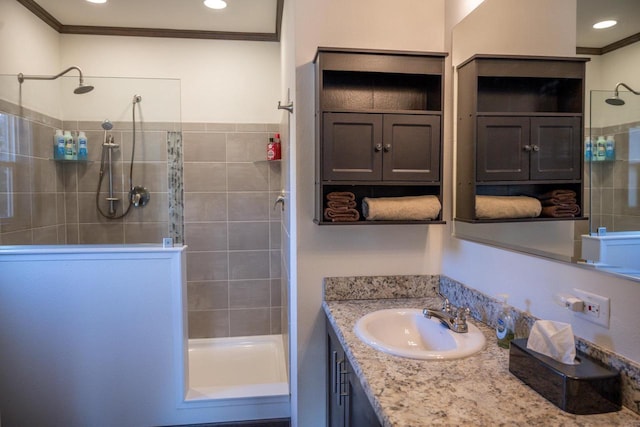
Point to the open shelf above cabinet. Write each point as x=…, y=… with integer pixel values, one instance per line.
x=378, y=129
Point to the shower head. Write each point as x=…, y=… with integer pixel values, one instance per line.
x=82, y=88
x=107, y=125
x=615, y=99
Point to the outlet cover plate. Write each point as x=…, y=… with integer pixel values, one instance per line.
x=602, y=317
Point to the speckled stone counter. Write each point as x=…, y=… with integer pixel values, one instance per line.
x=474, y=391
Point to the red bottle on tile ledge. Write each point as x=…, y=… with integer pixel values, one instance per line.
x=273, y=148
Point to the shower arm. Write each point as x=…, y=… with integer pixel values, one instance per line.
x=625, y=86
x=22, y=77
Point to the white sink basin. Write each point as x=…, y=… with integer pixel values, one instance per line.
x=407, y=333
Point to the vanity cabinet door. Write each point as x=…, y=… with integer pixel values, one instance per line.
x=347, y=403
x=336, y=370
x=359, y=412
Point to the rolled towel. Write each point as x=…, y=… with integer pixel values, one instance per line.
x=561, y=211
x=408, y=208
x=507, y=207
x=339, y=215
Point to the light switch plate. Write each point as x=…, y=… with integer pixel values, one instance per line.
x=596, y=307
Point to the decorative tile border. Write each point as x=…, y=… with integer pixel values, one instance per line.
x=483, y=308
x=175, y=186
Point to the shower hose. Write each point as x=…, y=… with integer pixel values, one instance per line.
x=136, y=100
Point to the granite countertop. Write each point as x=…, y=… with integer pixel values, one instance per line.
x=478, y=390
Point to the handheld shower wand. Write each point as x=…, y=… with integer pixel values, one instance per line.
x=82, y=88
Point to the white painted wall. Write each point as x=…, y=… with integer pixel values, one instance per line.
x=28, y=46
x=349, y=250
x=222, y=81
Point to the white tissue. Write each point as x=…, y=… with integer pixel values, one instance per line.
x=553, y=339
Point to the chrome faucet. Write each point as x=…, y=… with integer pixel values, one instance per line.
x=452, y=317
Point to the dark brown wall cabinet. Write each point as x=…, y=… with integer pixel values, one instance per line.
x=347, y=403
x=520, y=126
x=378, y=125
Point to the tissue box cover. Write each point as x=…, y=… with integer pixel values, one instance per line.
x=584, y=388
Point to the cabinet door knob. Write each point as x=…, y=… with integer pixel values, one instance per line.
x=536, y=148
x=387, y=148
x=378, y=147
x=527, y=148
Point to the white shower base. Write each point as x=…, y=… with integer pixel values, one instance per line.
x=237, y=367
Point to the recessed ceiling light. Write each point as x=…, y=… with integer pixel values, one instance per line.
x=215, y=4
x=97, y=1
x=604, y=24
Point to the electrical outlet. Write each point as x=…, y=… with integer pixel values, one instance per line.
x=596, y=307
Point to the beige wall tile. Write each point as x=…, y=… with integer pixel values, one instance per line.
x=208, y=324
x=249, y=293
x=204, y=147
x=251, y=321
x=208, y=295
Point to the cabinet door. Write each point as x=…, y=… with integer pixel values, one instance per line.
x=352, y=147
x=359, y=412
x=557, y=148
x=411, y=147
x=502, y=149
x=336, y=401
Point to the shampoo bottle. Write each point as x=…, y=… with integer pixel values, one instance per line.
x=610, y=148
x=82, y=146
x=588, y=149
x=68, y=146
x=58, y=145
x=601, y=150
x=505, y=326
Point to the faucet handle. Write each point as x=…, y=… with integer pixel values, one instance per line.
x=462, y=313
x=460, y=321
x=446, y=305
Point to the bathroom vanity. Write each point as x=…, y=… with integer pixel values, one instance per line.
x=477, y=390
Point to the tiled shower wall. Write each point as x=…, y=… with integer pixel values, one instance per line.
x=232, y=230
x=52, y=202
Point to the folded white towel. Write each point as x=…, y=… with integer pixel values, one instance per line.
x=408, y=208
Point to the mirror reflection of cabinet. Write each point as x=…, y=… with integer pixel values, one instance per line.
x=520, y=124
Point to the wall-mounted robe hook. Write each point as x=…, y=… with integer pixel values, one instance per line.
x=288, y=107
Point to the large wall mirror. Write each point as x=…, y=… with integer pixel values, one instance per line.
x=607, y=239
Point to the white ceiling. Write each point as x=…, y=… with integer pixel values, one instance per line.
x=252, y=16
x=259, y=16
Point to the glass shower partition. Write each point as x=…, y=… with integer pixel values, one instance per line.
x=45, y=199
x=612, y=156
